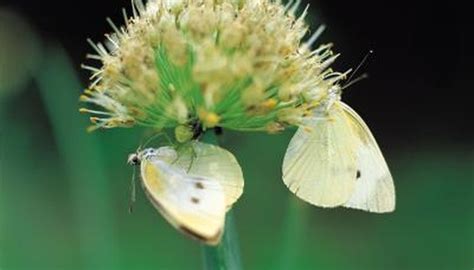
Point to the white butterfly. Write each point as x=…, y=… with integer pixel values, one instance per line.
x=333, y=160
x=192, y=188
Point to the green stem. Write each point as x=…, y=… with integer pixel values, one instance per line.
x=293, y=234
x=225, y=256
x=2, y=177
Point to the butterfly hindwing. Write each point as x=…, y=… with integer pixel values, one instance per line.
x=194, y=205
x=374, y=191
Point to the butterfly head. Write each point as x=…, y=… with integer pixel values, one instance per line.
x=134, y=159
x=164, y=153
x=334, y=96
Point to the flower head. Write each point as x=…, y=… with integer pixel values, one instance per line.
x=240, y=65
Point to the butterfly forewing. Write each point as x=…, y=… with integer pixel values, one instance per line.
x=217, y=163
x=192, y=204
x=320, y=165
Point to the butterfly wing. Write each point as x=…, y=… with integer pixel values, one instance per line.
x=214, y=162
x=194, y=205
x=319, y=164
x=374, y=190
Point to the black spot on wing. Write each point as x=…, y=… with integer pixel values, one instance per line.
x=199, y=185
x=358, y=175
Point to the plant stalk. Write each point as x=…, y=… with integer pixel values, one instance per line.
x=226, y=255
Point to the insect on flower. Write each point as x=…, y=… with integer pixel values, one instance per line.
x=191, y=186
x=333, y=160
x=194, y=65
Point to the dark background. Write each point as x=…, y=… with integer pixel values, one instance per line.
x=419, y=83
x=57, y=213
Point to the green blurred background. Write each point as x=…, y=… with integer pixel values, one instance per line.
x=64, y=193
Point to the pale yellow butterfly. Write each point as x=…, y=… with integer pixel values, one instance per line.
x=334, y=160
x=191, y=187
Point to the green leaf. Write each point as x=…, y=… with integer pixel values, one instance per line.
x=90, y=193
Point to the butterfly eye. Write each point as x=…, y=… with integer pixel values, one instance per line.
x=149, y=152
x=133, y=159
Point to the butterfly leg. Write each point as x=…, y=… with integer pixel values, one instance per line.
x=193, y=157
x=132, y=191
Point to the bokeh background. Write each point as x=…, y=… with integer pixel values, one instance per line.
x=64, y=193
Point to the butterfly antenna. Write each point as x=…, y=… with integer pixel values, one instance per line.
x=364, y=60
x=140, y=146
x=167, y=138
x=356, y=80
x=133, y=191
x=152, y=138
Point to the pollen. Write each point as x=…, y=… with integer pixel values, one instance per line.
x=269, y=104
x=209, y=119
